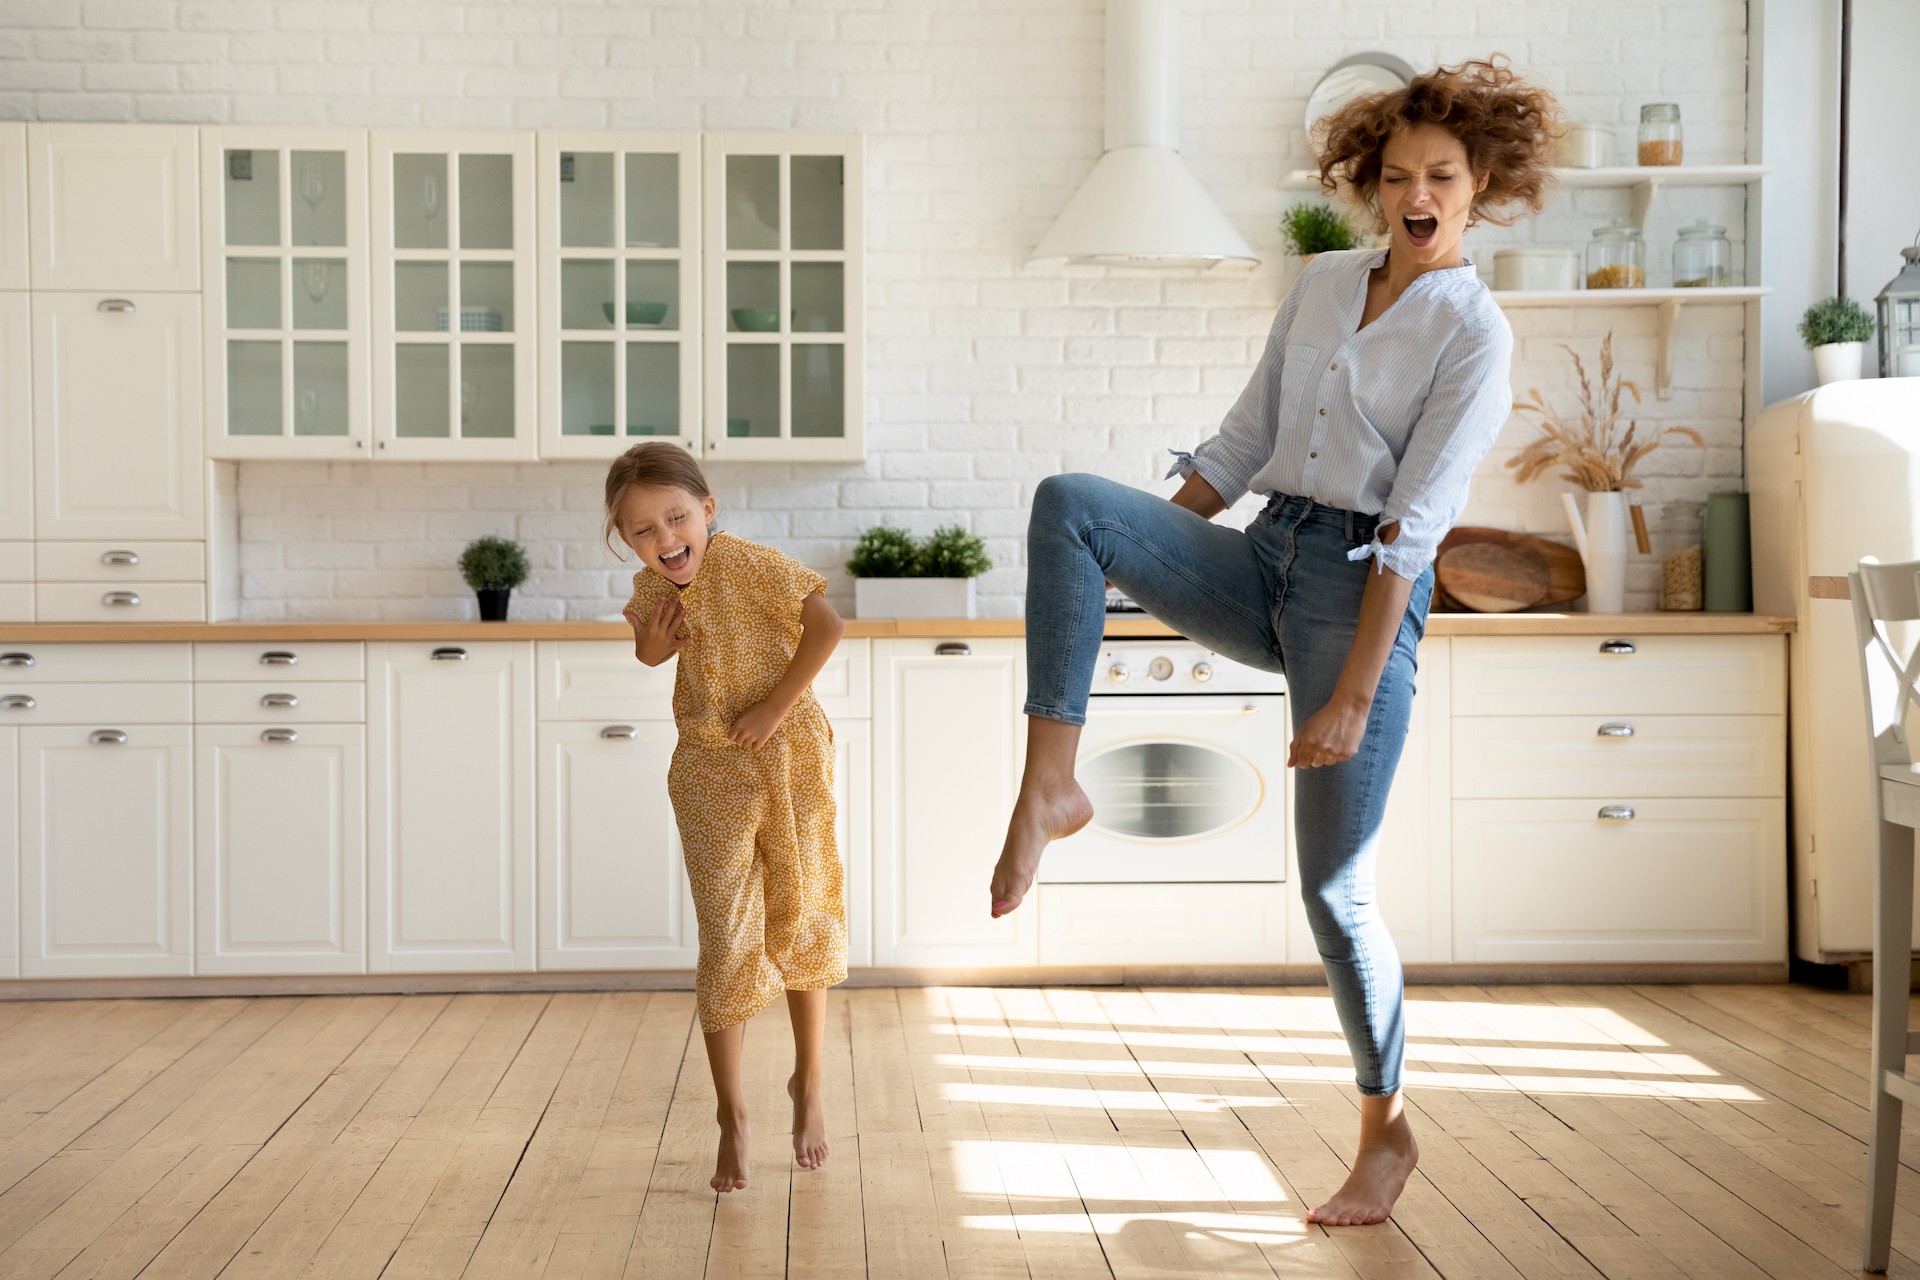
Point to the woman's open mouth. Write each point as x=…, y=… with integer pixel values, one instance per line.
x=677, y=560
x=1421, y=229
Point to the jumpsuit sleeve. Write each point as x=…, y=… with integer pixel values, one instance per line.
x=647, y=588
x=781, y=582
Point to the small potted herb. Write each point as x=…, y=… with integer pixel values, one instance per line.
x=897, y=577
x=1315, y=228
x=1835, y=330
x=493, y=567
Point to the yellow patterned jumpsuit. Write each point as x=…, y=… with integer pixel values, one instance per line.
x=757, y=825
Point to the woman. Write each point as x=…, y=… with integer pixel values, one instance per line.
x=1383, y=384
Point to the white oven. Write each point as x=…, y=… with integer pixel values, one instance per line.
x=1184, y=757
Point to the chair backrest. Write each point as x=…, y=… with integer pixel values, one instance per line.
x=1885, y=594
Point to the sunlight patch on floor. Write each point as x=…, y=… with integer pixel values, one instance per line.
x=1623, y=1062
x=1086, y=1170
x=1241, y=1228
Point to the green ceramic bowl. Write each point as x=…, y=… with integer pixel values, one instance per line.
x=756, y=319
x=638, y=312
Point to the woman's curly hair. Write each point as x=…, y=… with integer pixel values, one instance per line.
x=1507, y=125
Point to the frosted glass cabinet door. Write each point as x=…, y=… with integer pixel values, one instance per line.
x=619, y=292
x=454, y=357
x=13, y=206
x=16, y=419
x=114, y=206
x=287, y=371
x=784, y=376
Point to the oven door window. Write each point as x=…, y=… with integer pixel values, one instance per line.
x=1169, y=791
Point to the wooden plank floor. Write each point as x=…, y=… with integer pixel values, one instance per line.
x=1566, y=1132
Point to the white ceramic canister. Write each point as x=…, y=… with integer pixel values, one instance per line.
x=1586, y=146
x=1537, y=267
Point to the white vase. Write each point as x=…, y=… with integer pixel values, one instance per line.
x=1837, y=361
x=1602, y=542
x=913, y=597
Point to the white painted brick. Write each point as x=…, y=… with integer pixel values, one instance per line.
x=129, y=15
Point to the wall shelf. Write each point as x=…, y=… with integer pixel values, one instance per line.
x=1645, y=180
x=1670, y=302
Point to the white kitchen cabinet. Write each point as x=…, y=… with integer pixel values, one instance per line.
x=280, y=859
x=16, y=453
x=619, y=273
x=454, y=355
x=287, y=312
x=949, y=737
x=106, y=856
x=451, y=792
x=118, y=443
x=783, y=311
x=9, y=852
x=13, y=206
x=114, y=207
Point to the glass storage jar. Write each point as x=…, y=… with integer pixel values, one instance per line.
x=1616, y=258
x=1660, y=133
x=1703, y=257
x=1676, y=540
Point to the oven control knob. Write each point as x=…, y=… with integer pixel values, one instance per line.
x=1118, y=673
x=1202, y=672
x=1161, y=668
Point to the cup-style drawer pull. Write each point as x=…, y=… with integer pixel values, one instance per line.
x=1616, y=730
x=279, y=700
x=279, y=658
x=1616, y=646
x=1616, y=813
x=18, y=702
x=279, y=735
x=118, y=306
x=16, y=660
x=626, y=731
x=954, y=649
x=107, y=738
x=126, y=558
x=449, y=655
x=122, y=599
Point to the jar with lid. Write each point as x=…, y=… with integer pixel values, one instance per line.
x=1703, y=257
x=1676, y=540
x=1660, y=133
x=1617, y=257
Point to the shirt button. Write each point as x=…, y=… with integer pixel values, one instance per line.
x=1313, y=455
x=1323, y=413
x=1332, y=367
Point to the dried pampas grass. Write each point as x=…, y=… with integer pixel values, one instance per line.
x=1590, y=449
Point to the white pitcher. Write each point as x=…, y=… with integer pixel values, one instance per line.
x=1602, y=542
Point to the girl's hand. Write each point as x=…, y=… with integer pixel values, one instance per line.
x=1331, y=735
x=756, y=725
x=658, y=638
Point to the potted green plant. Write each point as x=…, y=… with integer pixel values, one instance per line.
x=1835, y=330
x=493, y=567
x=1315, y=228
x=896, y=577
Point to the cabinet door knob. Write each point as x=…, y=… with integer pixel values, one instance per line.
x=1616, y=813
x=279, y=735
x=118, y=306
x=953, y=649
x=279, y=658
x=107, y=738
x=1616, y=730
x=279, y=700
x=626, y=731
x=449, y=655
x=1616, y=646
x=125, y=599
x=120, y=558
x=16, y=660
x=18, y=702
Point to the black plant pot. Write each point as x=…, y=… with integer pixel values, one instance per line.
x=493, y=603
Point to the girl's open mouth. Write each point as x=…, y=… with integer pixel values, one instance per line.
x=678, y=560
x=1421, y=228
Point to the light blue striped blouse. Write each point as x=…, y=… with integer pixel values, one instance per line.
x=1388, y=421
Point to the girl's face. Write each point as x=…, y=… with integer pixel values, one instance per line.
x=667, y=529
x=1426, y=193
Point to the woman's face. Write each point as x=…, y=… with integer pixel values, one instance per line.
x=667, y=529
x=1426, y=192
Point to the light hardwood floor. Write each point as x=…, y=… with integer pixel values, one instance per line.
x=1566, y=1132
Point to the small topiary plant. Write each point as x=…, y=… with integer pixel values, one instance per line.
x=493, y=564
x=952, y=552
x=1835, y=320
x=884, y=552
x=1316, y=228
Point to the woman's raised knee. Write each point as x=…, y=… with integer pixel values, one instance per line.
x=1065, y=496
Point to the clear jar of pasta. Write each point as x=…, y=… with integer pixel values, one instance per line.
x=1617, y=258
x=1702, y=257
x=1660, y=137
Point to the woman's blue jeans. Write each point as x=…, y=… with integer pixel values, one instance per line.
x=1280, y=595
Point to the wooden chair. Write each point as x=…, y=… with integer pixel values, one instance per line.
x=1883, y=594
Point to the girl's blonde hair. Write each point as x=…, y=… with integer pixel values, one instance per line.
x=653, y=465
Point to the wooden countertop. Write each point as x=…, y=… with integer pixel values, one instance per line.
x=1439, y=624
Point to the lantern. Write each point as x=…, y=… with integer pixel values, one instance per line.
x=1900, y=320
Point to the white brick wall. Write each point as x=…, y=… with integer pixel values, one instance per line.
x=984, y=374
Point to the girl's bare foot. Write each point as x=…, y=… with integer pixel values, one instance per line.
x=1380, y=1171
x=730, y=1171
x=809, y=1122
x=1040, y=815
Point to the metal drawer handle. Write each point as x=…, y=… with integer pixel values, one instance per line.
x=18, y=702
x=1616, y=646
x=127, y=598
x=16, y=660
x=954, y=649
x=279, y=658
x=108, y=738
x=279, y=700
x=449, y=655
x=279, y=735
x=626, y=731
x=1616, y=730
x=119, y=306
x=1616, y=813
x=120, y=558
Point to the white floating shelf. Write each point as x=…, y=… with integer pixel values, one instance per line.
x=1645, y=180
x=1621, y=297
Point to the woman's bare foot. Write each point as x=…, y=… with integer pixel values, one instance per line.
x=809, y=1123
x=1380, y=1171
x=1040, y=815
x=730, y=1171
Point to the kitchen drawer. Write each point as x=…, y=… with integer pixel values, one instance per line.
x=16, y=562
x=325, y=660
x=16, y=602
x=339, y=702
x=103, y=705
x=1530, y=757
x=1611, y=676
x=1683, y=880
x=28, y=663
x=109, y=561
x=145, y=602
x=1162, y=923
x=601, y=680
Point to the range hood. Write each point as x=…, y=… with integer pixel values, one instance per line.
x=1141, y=206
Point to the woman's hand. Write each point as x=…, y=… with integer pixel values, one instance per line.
x=756, y=724
x=658, y=638
x=1331, y=735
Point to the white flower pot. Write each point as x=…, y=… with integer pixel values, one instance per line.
x=913, y=597
x=1837, y=361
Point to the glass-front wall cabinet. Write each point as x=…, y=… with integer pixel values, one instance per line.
x=285, y=290
x=454, y=364
x=619, y=292
x=783, y=297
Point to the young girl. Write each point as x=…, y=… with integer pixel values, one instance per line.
x=751, y=779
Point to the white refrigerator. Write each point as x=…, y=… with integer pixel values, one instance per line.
x=1834, y=475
